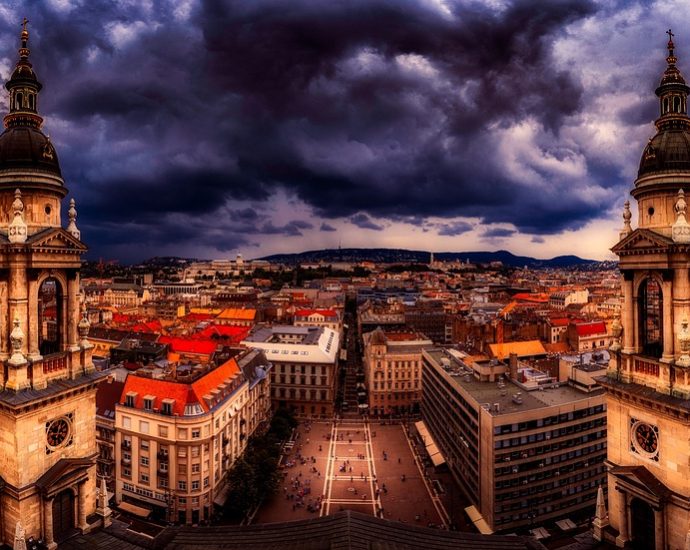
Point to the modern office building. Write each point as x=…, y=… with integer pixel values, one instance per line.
x=524, y=448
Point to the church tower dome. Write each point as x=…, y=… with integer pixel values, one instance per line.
x=665, y=163
x=28, y=159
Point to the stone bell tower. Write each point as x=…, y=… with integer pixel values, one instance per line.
x=47, y=378
x=648, y=380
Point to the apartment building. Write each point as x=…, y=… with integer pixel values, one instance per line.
x=305, y=364
x=393, y=370
x=329, y=318
x=524, y=453
x=177, y=436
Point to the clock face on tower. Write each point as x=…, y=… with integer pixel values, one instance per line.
x=644, y=439
x=58, y=433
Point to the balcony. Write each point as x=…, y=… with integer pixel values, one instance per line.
x=126, y=461
x=55, y=362
x=162, y=455
x=126, y=445
x=163, y=473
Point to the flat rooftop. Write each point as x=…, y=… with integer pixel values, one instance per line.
x=503, y=392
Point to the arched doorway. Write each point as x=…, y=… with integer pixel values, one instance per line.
x=642, y=522
x=650, y=314
x=50, y=317
x=63, y=514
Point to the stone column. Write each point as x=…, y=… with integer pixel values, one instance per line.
x=48, y=523
x=81, y=506
x=627, y=314
x=72, y=311
x=18, y=299
x=623, y=529
x=34, y=329
x=659, y=529
x=667, y=313
x=5, y=323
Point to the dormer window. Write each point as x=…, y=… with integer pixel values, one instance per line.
x=130, y=398
x=167, y=406
x=148, y=402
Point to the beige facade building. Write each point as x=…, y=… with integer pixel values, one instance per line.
x=648, y=380
x=178, y=436
x=393, y=370
x=47, y=383
x=523, y=453
x=305, y=366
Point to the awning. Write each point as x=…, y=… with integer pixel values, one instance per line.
x=222, y=495
x=478, y=521
x=134, y=509
x=432, y=450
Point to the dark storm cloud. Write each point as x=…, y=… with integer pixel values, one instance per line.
x=497, y=233
x=454, y=229
x=363, y=109
x=364, y=221
x=327, y=227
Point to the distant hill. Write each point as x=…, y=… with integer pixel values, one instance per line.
x=395, y=255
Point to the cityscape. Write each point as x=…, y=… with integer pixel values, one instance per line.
x=289, y=332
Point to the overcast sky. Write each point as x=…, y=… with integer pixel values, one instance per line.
x=206, y=128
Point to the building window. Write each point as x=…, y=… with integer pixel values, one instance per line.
x=148, y=403
x=143, y=427
x=144, y=460
x=196, y=468
x=162, y=431
x=195, y=485
x=144, y=478
x=650, y=302
x=144, y=443
x=126, y=422
x=182, y=500
x=127, y=472
x=206, y=482
x=196, y=433
x=182, y=485
x=167, y=406
x=181, y=433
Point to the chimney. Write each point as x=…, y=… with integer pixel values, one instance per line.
x=513, y=366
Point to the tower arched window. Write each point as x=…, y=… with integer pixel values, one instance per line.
x=19, y=98
x=50, y=314
x=32, y=102
x=676, y=104
x=664, y=108
x=650, y=315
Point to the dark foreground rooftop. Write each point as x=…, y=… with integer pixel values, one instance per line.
x=342, y=531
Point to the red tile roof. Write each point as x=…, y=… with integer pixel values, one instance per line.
x=183, y=393
x=528, y=297
x=151, y=327
x=189, y=345
x=328, y=313
x=195, y=317
x=225, y=332
x=108, y=393
x=590, y=329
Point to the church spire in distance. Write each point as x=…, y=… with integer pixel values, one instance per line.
x=23, y=88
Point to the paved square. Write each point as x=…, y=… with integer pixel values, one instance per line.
x=359, y=466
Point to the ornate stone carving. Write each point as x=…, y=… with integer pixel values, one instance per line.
x=680, y=230
x=616, y=332
x=16, y=340
x=83, y=327
x=684, y=342
x=72, y=225
x=16, y=232
x=627, y=215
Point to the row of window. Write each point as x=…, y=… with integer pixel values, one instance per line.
x=549, y=420
x=542, y=436
x=283, y=368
